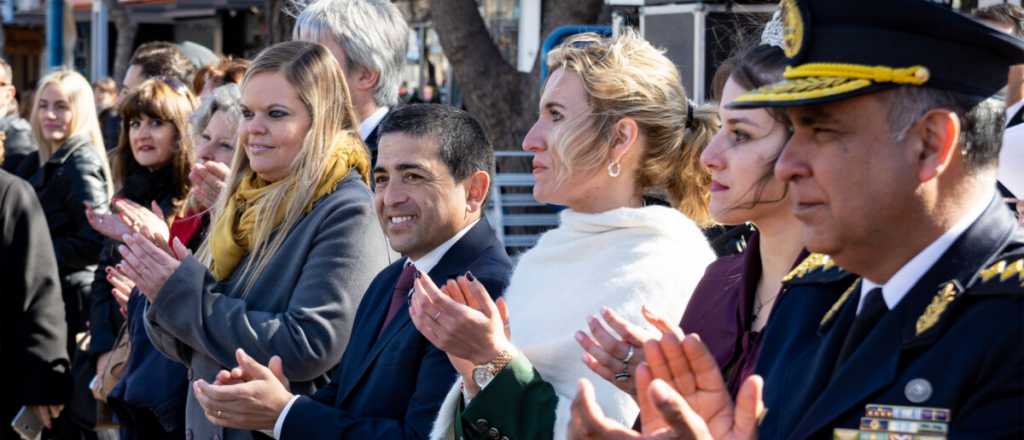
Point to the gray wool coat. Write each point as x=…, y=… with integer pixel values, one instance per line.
x=300, y=308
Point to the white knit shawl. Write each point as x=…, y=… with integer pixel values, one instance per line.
x=622, y=259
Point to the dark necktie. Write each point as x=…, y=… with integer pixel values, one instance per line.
x=398, y=297
x=870, y=313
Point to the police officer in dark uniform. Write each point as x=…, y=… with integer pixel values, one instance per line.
x=908, y=320
x=892, y=167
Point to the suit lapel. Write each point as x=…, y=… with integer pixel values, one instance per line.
x=875, y=363
x=454, y=263
x=363, y=336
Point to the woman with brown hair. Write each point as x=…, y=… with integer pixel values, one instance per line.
x=151, y=165
x=294, y=241
x=229, y=70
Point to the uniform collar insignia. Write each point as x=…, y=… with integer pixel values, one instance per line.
x=934, y=311
x=814, y=263
x=839, y=303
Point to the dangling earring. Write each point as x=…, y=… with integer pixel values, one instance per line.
x=614, y=169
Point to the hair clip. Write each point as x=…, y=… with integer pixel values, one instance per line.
x=689, y=114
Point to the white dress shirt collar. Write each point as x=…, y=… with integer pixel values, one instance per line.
x=1012, y=110
x=427, y=262
x=904, y=279
x=369, y=124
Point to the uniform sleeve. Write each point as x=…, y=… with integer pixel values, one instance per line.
x=994, y=407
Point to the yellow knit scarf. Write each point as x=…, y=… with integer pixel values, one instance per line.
x=231, y=236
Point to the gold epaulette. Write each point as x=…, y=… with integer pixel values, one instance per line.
x=1006, y=271
x=812, y=263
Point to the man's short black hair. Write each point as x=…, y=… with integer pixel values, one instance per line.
x=464, y=147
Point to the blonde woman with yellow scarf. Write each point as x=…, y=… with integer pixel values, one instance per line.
x=294, y=241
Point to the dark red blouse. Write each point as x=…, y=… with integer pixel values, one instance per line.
x=721, y=312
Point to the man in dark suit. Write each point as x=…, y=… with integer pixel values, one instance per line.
x=372, y=65
x=431, y=183
x=892, y=171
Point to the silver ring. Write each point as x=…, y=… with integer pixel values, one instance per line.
x=623, y=376
x=219, y=413
x=629, y=355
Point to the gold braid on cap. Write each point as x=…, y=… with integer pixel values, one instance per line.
x=915, y=75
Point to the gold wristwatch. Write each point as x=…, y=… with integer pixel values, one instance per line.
x=483, y=374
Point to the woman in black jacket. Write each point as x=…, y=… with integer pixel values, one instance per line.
x=69, y=172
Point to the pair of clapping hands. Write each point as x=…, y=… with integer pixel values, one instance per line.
x=675, y=381
x=148, y=260
x=459, y=318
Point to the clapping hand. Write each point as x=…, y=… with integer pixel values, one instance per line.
x=688, y=365
x=250, y=396
x=121, y=287
x=681, y=394
x=108, y=224
x=462, y=321
x=151, y=222
x=147, y=265
x=612, y=358
x=207, y=180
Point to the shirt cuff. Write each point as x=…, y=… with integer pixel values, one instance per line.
x=465, y=394
x=279, y=425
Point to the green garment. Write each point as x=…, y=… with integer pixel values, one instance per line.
x=517, y=404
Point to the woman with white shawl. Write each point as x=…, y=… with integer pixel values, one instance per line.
x=614, y=125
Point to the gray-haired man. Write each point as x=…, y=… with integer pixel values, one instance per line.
x=369, y=38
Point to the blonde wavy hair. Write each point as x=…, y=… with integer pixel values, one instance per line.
x=627, y=77
x=318, y=80
x=83, y=117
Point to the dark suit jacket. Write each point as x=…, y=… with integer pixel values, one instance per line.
x=393, y=387
x=372, y=140
x=954, y=341
x=32, y=326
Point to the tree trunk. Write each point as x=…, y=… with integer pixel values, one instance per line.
x=126, y=29
x=279, y=21
x=503, y=99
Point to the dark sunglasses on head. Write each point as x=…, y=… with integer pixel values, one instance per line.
x=175, y=84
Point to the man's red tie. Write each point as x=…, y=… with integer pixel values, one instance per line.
x=400, y=294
